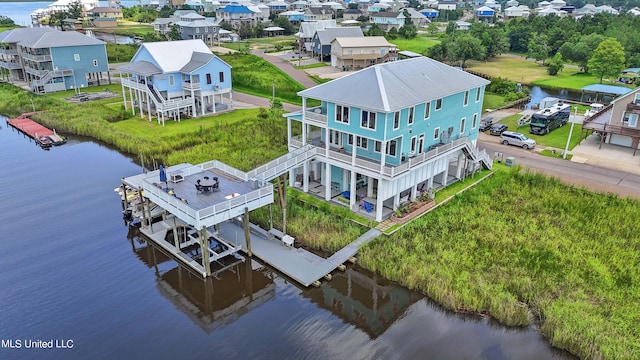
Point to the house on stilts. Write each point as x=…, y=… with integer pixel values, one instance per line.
x=386, y=133
x=173, y=79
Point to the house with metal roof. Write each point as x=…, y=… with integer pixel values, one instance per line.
x=359, y=52
x=307, y=31
x=386, y=134
x=618, y=123
x=176, y=79
x=318, y=13
x=51, y=60
x=104, y=16
x=323, y=38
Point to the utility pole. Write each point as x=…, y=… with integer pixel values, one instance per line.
x=566, y=148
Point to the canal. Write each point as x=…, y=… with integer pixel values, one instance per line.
x=71, y=270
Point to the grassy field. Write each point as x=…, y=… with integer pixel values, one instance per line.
x=520, y=247
x=528, y=72
x=254, y=75
x=556, y=138
x=419, y=44
x=311, y=66
x=493, y=101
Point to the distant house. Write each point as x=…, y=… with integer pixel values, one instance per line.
x=484, y=12
x=308, y=29
x=352, y=14
x=378, y=7
x=516, y=11
x=295, y=17
x=635, y=11
x=396, y=19
x=170, y=79
x=323, y=38
x=430, y=13
x=276, y=7
x=619, y=122
x=238, y=16
x=194, y=26
x=104, y=16
x=386, y=134
x=318, y=13
x=447, y=5
x=361, y=52
x=462, y=25
x=52, y=60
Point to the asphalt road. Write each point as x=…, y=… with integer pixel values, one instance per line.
x=589, y=176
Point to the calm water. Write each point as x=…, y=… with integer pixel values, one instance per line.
x=70, y=270
x=20, y=12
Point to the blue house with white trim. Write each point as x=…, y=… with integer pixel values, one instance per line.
x=176, y=78
x=52, y=60
x=430, y=13
x=384, y=134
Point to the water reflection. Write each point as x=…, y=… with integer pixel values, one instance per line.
x=212, y=302
x=369, y=302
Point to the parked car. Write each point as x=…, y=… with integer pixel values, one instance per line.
x=517, y=139
x=485, y=124
x=497, y=129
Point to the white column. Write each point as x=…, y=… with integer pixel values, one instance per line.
x=445, y=175
x=430, y=183
x=133, y=108
x=379, y=206
x=304, y=121
x=352, y=191
x=327, y=189
x=292, y=178
x=370, y=181
x=289, y=133
x=323, y=174
x=203, y=106
x=305, y=176
x=459, y=166
x=414, y=192
x=345, y=180
x=383, y=155
x=396, y=201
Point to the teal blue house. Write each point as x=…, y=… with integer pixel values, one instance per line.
x=176, y=78
x=52, y=60
x=387, y=133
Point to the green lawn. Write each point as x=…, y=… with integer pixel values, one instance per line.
x=557, y=138
x=310, y=66
x=528, y=72
x=493, y=101
x=254, y=75
x=419, y=44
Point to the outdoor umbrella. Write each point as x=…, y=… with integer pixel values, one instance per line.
x=163, y=176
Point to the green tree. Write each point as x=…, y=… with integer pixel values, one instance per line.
x=375, y=30
x=556, y=64
x=432, y=29
x=538, y=47
x=6, y=21
x=57, y=19
x=174, y=33
x=465, y=47
x=495, y=41
x=353, y=5
x=408, y=31
x=392, y=34
x=608, y=59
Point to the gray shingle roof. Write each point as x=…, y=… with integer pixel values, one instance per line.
x=52, y=39
x=396, y=85
x=327, y=35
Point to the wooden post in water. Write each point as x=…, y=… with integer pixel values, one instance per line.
x=204, y=247
x=142, y=208
x=176, y=241
x=247, y=232
x=149, y=212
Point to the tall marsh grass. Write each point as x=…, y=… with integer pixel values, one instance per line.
x=524, y=246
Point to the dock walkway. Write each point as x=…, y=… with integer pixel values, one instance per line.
x=43, y=136
x=299, y=264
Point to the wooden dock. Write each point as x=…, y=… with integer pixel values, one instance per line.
x=41, y=135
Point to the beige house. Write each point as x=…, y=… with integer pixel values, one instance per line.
x=619, y=122
x=361, y=52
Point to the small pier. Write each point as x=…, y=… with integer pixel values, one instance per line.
x=205, y=230
x=41, y=135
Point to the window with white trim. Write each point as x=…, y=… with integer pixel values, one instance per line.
x=466, y=98
x=342, y=114
x=637, y=99
x=392, y=147
x=463, y=122
x=396, y=120
x=362, y=142
x=76, y=57
x=95, y=62
x=197, y=30
x=630, y=119
x=377, y=146
x=414, y=141
x=410, y=121
x=438, y=104
x=427, y=110
x=171, y=80
x=478, y=94
x=350, y=139
x=475, y=121
x=368, y=120
x=436, y=133
x=421, y=144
